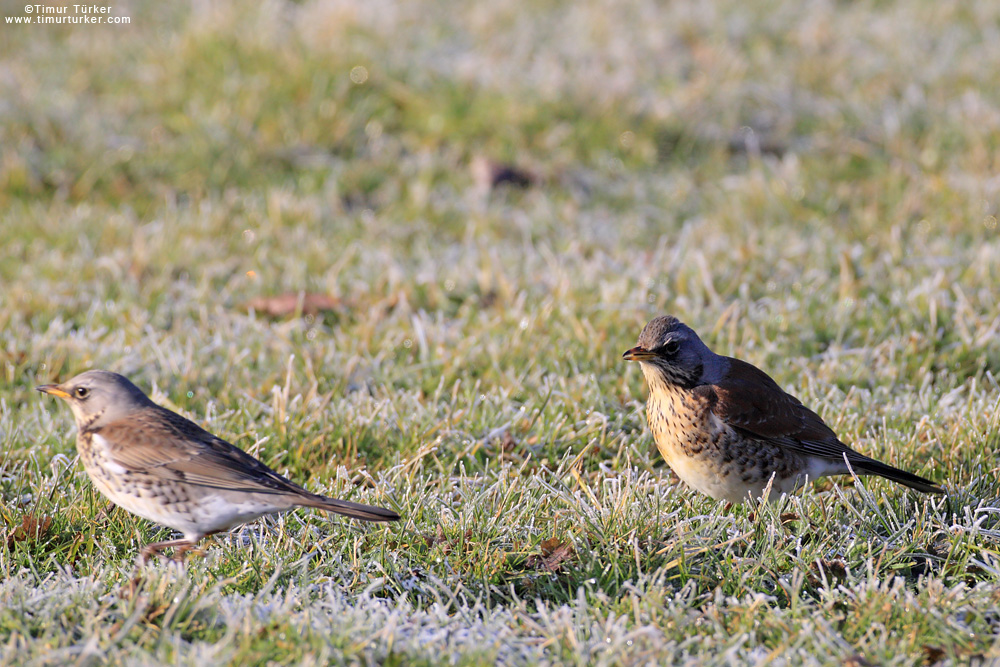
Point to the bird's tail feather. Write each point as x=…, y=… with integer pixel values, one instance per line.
x=873, y=467
x=347, y=508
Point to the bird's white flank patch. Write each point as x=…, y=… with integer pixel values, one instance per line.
x=108, y=460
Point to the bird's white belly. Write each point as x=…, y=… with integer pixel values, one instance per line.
x=700, y=475
x=210, y=513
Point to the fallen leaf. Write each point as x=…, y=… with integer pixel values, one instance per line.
x=431, y=540
x=932, y=654
x=834, y=569
x=31, y=528
x=508, y=442
x=554, y=554
x=291, y=303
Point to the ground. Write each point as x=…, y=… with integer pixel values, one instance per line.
x=811, y=186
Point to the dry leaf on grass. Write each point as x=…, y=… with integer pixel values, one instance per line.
x=834, y=570
x=554, y=553
x=932, y=654
x=31, y=528
x=283, y=305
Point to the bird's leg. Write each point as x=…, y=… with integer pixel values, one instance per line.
x=181, y=550
x=191, y=545
x=156, y=548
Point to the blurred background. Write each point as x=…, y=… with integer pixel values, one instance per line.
x=407, y=195
x=224, y=198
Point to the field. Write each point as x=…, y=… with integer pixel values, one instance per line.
x=813, y=187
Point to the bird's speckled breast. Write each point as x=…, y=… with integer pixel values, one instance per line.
x=164, y=503
x=709, y=455
x=101, y=469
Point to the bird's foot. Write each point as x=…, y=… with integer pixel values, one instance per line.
x=156, y=549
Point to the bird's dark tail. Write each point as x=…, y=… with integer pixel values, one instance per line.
x=872, y=467
x=347, y=508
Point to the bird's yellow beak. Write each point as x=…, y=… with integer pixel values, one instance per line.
x=52, y=389
x=637, y=354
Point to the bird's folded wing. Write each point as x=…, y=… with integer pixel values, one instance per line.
x=747, y=399
x=167, y=446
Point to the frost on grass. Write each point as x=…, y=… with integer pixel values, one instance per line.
x=810, y=187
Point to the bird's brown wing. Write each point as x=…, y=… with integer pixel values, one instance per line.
x=747, y=399
x=162, y=444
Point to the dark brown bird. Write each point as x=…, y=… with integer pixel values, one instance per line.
x=165, y=468
x=728, y=430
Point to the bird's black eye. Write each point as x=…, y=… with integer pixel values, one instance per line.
x=81, y=392
x=670, y=348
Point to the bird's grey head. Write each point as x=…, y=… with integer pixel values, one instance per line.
x=98, y=398
x=671, y=352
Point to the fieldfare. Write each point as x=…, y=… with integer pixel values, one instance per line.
x=728, y=430
x=165, y=468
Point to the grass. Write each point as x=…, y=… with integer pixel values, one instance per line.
x=811, y=187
